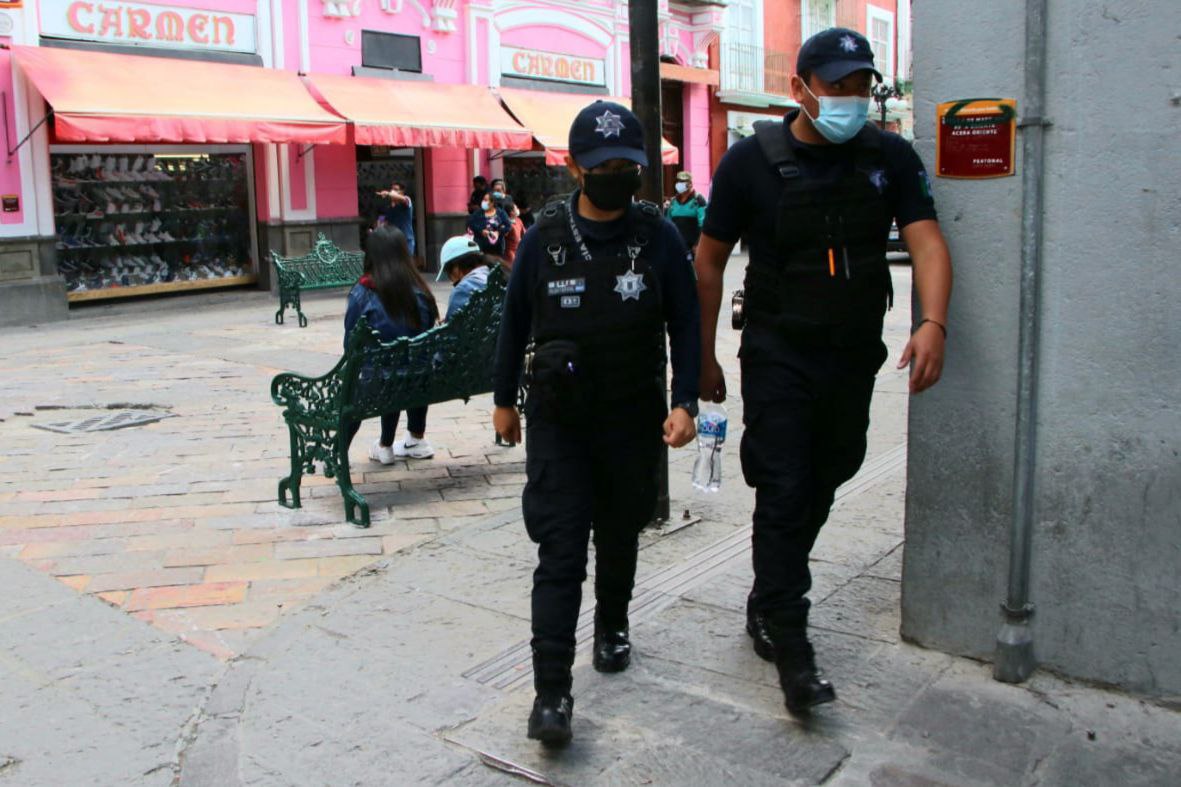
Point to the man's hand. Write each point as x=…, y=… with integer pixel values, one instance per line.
x=712, y=383
x=679, y=428
x=924, y=353
x=507, y=423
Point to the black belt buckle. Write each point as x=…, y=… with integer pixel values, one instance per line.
x=737, y=318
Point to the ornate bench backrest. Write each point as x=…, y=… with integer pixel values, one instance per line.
x=452, y=361
x=326, y=262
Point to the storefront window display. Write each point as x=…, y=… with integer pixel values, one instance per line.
x=143, y=221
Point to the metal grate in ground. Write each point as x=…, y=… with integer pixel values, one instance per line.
x=117, y=419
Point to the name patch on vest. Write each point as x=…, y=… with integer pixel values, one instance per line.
x=566, y=287
x=571, y=301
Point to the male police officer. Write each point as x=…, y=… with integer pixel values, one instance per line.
x=814, y=196
x=596, y=283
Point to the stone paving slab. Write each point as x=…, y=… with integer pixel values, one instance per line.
x=345, y=663
x=90, y=696
x=176, y=522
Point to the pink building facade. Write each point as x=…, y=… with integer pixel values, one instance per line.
x=86, y=218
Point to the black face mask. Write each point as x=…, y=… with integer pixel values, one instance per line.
x=611, y=190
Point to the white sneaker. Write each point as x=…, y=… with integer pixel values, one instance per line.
x=381, y=453
x=410, y=447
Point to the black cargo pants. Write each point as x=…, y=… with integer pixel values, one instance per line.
x=805, y=417
x=598, y=478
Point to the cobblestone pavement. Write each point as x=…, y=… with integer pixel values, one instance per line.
x=288, y=648
x=176, y=522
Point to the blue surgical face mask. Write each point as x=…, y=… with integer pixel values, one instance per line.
x=841, y=117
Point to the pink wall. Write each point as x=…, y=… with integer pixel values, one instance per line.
x=331, y=53
x=336, y=181
x=449, y=183
x=10, y=173
x=298, y=171
x=552, y=39
x=695, y=155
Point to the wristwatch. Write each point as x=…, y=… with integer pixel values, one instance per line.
x=689, y=407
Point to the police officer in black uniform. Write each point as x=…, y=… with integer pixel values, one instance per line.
x=596, y=284
x=814, y=197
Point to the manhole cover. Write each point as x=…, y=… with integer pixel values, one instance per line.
x=119, y=419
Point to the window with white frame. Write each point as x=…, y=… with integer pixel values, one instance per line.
x=879, y=24
x=742, y=46
x=817, y=15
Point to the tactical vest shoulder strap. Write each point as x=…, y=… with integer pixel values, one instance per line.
x=776, y=149
x=554, y=230
x=869, y=147
x=645, y=219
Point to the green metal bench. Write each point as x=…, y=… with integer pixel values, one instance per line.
x=325, y=266
x=451, y=361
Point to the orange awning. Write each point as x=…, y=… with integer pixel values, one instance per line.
x=549, y=115
x=101, y=97
x=408, y=114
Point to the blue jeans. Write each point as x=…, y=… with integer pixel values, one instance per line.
x=415, y=422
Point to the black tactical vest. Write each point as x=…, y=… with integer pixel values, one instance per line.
x=609, y=306
x=829, y=280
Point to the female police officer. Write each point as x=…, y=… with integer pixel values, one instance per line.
x=597, y=282
x=814, y=196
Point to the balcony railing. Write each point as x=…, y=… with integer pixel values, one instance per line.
x=755, y=70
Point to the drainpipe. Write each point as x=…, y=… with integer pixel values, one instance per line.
x=1014, y=644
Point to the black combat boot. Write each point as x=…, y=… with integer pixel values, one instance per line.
x=613, y=647
x=803, y=687
x=756, y=627
x=553, y=708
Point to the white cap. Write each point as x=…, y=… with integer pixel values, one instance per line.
x=453, y=249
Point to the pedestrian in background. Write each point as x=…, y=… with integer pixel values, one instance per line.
x=814, y=197
x=524, y=204
x=500, y=193
x=479, y=186
x=466, y=267
x=393, y=298
x=400, y=212
x=686, y=210
x=599, y=281
x=489, y=225
x=515, y=233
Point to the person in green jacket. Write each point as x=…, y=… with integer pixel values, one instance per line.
x=686, y=210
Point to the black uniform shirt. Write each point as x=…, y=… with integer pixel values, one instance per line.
x=744, y=198
x=678, y=283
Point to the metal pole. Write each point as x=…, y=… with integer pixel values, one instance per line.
x=1014, y=644
x=645, y=73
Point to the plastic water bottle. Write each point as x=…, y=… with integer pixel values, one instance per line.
x=711, y=435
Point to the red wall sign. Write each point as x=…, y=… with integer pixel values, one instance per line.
x=977, y=138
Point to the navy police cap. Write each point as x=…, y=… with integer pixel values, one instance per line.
x=603, y=131
x=835, y=53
